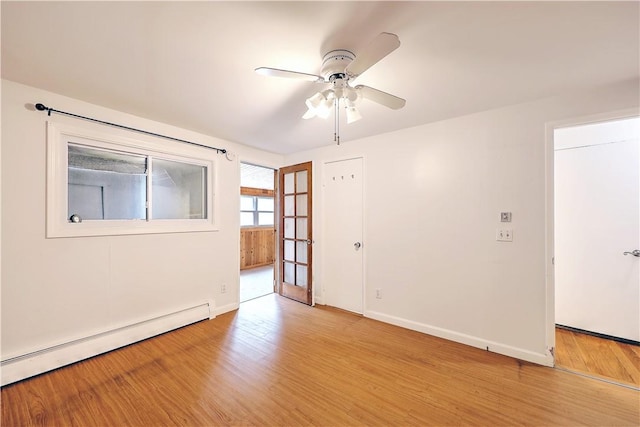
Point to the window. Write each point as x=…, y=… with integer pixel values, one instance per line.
x=256, y=211
x=257, y=196
x=103, y=185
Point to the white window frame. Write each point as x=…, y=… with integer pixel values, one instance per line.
x=256, y=213
x=59, y=136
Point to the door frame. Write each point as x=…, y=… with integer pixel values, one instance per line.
x=550, y=128
x=269, y=165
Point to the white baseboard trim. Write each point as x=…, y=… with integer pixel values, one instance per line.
x=226, y=308
x=36, y=362
x=495, y=347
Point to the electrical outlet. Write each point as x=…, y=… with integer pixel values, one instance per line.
x=504, y=235
x=223, y=288
x=379, y=293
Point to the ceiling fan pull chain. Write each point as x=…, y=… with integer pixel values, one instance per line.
x=336, y=121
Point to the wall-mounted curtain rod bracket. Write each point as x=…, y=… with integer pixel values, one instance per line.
x=42, y=107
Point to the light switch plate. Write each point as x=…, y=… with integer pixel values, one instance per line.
x=505, y=216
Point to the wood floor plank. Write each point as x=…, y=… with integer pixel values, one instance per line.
x=568, y=352
x=278, y=362
x=598, y=357
x=629, y=357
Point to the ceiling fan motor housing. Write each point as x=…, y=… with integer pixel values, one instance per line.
x=335, y=62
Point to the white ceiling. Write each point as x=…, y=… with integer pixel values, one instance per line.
x=190, y=64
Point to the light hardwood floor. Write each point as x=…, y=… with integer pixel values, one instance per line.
x=278, y=362
x=598, y=357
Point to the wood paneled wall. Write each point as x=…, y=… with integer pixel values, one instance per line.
x=257, y=247
x=257, y=244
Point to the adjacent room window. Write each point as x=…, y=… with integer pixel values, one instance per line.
x=104, y=185
x=257, y=196
x=256, y=211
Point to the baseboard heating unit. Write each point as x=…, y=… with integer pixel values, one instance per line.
x=36, y=362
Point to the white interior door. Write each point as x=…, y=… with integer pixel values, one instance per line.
x=597, y=220
x=343, y=245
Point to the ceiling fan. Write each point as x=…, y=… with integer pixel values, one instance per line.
x=338, y=68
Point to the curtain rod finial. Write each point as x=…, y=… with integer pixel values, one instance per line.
x=40, y=107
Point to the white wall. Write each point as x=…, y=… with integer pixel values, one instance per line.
x=433, y=196
x=58, y=290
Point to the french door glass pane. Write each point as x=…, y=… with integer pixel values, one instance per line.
x=301, y=205
x=301, y=276
x=301, y=228
x=289, y=228
x=301, y=252
x=288, y=183
x=289, y=250
x=289, y=273
x=289, y=206
x=301, y=181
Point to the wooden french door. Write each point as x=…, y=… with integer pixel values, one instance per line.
x=296, y=240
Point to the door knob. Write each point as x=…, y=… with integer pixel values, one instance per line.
x=634, y=253
x=357, y=245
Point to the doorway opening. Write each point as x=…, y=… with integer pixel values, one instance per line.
x=257, y=231
x=596, y=187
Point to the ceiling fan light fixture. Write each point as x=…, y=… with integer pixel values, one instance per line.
x=319, y=104
x=339, y=67
x=353, y=115
x=310, y=114
x=324, y=109
x=315, y=101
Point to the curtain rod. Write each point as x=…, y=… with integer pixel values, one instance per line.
x=42, y=107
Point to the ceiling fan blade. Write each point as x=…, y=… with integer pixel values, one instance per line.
x=275, y=72
x=382, y=98
x=381, y=46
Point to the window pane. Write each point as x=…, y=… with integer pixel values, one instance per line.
x=301, y=252
x=301, y=182
x=289, y=228
x=247, y=203
x=289, y=206
x=288, y=183
x=178, y=190
x=301, y=276
x=246, y=218
x=87, y=201
x=265, y=204
x=301, y=205
x=106, y=184
x=289, y=250
x=290, y=273
x=301, y=228
x=265, y=218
